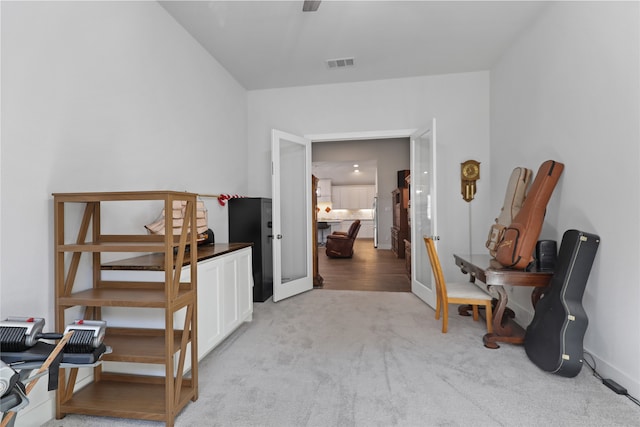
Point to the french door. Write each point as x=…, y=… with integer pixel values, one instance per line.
x=423, y=197
x=292, y=219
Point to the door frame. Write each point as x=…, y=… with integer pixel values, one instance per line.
x=354, y=136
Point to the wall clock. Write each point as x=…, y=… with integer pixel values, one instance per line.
x=469, y=174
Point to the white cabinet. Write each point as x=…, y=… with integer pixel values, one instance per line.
x=366, y=228
x=224, y=302
x=343, y=226
x=364, y=196
x=371, y=194
x=225, y=297
x=336, y=197
x=353, y=196
x=323, y=190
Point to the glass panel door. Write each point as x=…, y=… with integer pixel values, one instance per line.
x=423, y=198
x=292, y=226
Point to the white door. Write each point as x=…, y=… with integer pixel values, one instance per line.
x=292, y=226
x=423, y=198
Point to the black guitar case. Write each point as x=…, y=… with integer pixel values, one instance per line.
x=553, y=340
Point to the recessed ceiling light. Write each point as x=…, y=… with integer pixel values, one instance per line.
x=356, y=165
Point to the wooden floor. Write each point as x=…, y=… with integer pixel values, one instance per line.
x=370, y=269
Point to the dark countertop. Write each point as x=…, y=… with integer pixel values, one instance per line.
x=155, y=261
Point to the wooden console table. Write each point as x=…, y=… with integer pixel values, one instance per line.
x=488, y=271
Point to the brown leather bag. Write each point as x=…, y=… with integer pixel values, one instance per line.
x=516, y=247
x=514, y=198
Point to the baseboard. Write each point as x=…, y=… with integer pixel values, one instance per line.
x=606, y=370
x=42, y=403
x=524, y=316
x=36, y=415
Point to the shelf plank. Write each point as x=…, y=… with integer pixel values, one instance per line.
x=104, y=297
x=138, y=345
x=156, y=261
x=155, y=247
x=113, y=196
x=124, y=399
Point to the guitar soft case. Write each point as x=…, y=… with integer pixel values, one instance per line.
x=516, y=247
x=513, y=199
x=553, y=340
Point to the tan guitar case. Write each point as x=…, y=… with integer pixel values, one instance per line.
x=516, y=247
x=513, y=200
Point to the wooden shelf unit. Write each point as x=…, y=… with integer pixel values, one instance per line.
x=400, y=228
x=158, y=398
x=407, y=257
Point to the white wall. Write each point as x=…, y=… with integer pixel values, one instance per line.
x=568, y=90
x=104, y=96
x=459, y=102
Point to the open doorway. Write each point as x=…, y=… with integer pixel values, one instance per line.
x=373, y=265
x=346, y=191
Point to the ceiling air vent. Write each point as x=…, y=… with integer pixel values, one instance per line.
x=310, y=5
x=340, y=63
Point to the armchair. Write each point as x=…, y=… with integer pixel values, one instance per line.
x=340, y=244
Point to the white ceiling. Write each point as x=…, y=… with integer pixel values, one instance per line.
x=271, y=44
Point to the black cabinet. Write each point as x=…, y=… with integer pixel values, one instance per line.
x=250, y=221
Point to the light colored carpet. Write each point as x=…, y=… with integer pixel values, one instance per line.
x=354, y=358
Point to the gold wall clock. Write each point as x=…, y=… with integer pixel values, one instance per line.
x=469, y=174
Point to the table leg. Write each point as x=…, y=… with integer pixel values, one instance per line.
x=503, y=329
x=466, y=309
x=463, y=310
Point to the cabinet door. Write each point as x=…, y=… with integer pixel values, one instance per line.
x=209, y=314
x=237, y=290
x=348, y=198
x=336, y=197
x=353, y=196
x=230, y=314
x=357, y=197
x=245, y=285
x=323, y=190
x=366, y=230
x=394, y=240
x=363, y=198
x=371, y=194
